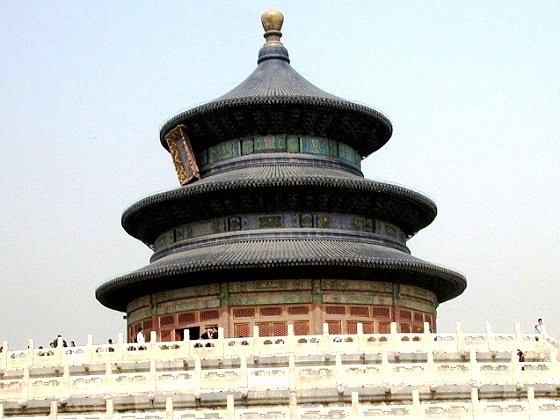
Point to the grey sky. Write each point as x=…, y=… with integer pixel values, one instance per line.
x=472, y=89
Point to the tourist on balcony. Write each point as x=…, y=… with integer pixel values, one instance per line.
x=521, y=357
x=539, y=328
x=59, y=337
x=140, y=339
x=207, y=334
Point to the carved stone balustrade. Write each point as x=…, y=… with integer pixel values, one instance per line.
x=356, y=376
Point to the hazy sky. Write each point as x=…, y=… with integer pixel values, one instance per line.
x=472, y=89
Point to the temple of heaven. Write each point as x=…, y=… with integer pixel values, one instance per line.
x=274, y=224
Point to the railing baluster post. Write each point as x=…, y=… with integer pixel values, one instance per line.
x=489, y=337
x=427, y=337
x=325, y=339
x=25, y=391
x=4, y=356
x=459, y=337
x=518, y=336
x=291, y=340
x=356, y=411
x=30, y=353
x=361, y=338
x=394, y=337
x=89, y=349
x=533, y=412
x=256, y=340
x=169, y=408
x=475, y=403
x=475, y=368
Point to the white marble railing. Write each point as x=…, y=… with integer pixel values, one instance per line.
x=529, y=407
x=32, y=383
x=382, y=367
x=272, y=346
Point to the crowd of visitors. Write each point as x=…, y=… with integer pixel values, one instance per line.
x=212, y=333
x=57, y=342
x=209, y=333
x=61, y=342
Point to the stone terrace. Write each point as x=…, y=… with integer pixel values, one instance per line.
x=425, y=375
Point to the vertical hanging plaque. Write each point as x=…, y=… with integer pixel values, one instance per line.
x=182, y=154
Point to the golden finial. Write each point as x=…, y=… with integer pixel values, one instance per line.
x=272, y=20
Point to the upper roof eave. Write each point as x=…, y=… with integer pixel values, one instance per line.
x=274, y=86
x=364, y=128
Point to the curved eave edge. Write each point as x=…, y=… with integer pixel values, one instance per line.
x=221, y=106
x=359, y=185
x=147, y=274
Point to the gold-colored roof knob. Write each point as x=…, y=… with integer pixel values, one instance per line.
x=272, y=20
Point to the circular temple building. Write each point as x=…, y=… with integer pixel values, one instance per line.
x=274, y=223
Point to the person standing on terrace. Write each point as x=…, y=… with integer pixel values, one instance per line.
x=539, y=328
x=207, y=334
x=140, y=337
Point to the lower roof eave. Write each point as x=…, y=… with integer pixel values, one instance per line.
x=117, y=293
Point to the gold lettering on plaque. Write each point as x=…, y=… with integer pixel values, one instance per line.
x=182, y=154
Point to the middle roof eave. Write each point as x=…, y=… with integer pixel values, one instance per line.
x=151, y=216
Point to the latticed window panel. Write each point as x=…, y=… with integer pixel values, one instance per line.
x=274, y=320
x=404, y=328
x=384, y=328
x=166, y=321
x=208, y=315
x=352, y=327
x=368, y=327
x=301, y=328
x=265, y=329
x=298, y=310
x=166, y=335
x=271, y=311
x=334, y=327
x=381, y=312
x=359, y=311
x=279, y=328
x=405, y=315
x=335, y=310
x=244, y=313
x=242, y=330
x=187, y=318
x=429, y=319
